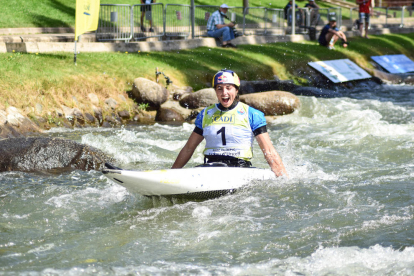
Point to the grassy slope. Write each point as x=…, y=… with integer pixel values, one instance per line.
x=61, y=13
x=52, y=79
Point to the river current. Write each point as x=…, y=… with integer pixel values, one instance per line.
x=347, y=208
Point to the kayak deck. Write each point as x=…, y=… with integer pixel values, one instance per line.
x=195, y=183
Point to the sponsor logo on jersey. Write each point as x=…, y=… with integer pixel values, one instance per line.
x=210, y=112
x=241, y=111
x=224, y=119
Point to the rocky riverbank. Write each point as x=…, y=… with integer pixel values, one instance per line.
x=149, y=102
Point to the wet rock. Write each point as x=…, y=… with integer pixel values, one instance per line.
x=77, y=114
x=184, y=112
x=89, y=118
x=272, y=102
x=111, y=119
x=106, y=124
x=149, y=92
x=98, y=113
x=49, y=154
x=124, y=114
x=168, y=115
x=316, y=92
x=145, y=117
x=7, y=131
x=200, y=98
x=66, y=123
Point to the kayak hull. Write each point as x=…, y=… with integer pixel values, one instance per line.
x=198, y=182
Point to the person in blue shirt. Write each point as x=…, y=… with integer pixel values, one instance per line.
x=229, y=128
x=330, y=34
x=217, y=28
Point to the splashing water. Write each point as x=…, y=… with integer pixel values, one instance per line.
x=347, y=208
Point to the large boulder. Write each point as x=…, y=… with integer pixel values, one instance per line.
x=168, y=115
x=49, y=154
x=149, y=92
x=272, y=102
x=200, y=98
x=184, y=112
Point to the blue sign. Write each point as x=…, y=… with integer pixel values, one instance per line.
x=395, y=63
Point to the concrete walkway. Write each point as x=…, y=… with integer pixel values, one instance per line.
x=48, y=40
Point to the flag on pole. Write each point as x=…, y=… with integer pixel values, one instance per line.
x=87, y=15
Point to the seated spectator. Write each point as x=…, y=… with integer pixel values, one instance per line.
x=288, y=12
x=330, y=34
x=217, y=28
x=314, y=12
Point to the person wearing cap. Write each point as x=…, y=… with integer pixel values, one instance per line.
x=330, y=34
x=217, y=28
x=229, y=128
x=364, y=14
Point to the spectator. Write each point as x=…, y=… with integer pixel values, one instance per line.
x=364, y=14
x=146, y=8
x=217, y=28
x=314, y=12
x=330, y=34
x=287, y=10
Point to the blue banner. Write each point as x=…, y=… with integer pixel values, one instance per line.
x=395, y=63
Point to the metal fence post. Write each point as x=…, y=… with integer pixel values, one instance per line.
x=293, y=18
x=245, y=11
x=386, y=17
x=192, y=19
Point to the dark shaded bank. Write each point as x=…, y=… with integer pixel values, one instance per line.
x=50, y=155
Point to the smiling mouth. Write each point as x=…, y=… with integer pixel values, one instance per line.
x=225, y=99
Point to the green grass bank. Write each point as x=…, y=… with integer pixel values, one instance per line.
x=53, y=79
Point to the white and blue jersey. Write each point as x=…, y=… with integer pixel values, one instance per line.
x=231, y=132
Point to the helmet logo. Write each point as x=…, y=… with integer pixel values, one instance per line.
x=222, y=79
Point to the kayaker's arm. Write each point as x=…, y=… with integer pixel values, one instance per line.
x=271, y=155
x=187, y=151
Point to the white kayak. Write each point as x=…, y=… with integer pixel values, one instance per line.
x=198, y=182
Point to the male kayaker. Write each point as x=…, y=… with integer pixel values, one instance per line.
x=229, y=128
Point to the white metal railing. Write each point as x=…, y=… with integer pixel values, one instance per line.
x=126, y=22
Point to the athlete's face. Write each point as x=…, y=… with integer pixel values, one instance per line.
x=226, y=93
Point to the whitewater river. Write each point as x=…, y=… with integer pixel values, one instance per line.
x=347, y=208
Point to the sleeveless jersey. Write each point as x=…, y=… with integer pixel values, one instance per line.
x=230, y=133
